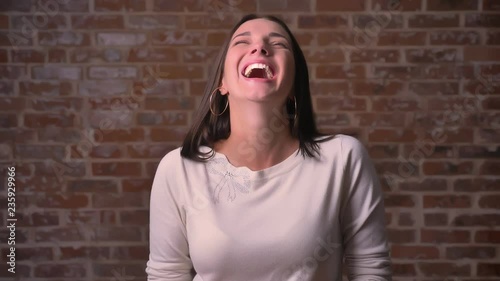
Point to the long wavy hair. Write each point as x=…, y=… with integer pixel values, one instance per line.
x=208, y=128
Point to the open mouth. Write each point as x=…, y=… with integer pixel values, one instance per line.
x=258, y=70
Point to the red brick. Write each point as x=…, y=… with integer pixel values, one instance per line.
x=436, y=219
x=180, y=38
x=4, y=21
x=97, y=21
x=130, y=253
x=429, y=184
x=487, y=236
x=437, y=236
x=479, y=152
x=319, y=88
x=40, y=151
x=447, y=201
x=489, y=168
x=168, y=134
x=406, y=219
x=66, y=201
x=104, y=151
x=329, y=71
x=455, y=38
x=166, y=118
x=182, y=72
x=62, y=270
x=399, y=269
x=476, y=184
x=487, y=54
x=56, y=56
x=121, y=39
x=433, y=21
x=488, y=269
x=119, y=5
x=83, y=252
x=12, y=72
x=401, y=38
x=64, y=38
x=104, y=88
x=134, y=134
x=482, y=20
x=153, y=55
x=44, y=88
x=331, y=104
x=12, y=104
x=437, y=5
x=377, y=151
x=403, y=201
x=87, y=55
x=379, y=120
x=444, y=270
x=401, y=235
x=217, y=21
x=217, y=38
x=372, y=24
x=392, y=135
x=137, y=185
x=57, y=104
x=354, y=5
x=414, y=252
x=432, y=55
x=136, y=217
x=32, y=120
x=447, y=168
x=4, y=56
x=8, y=120
x=41, y=21
x=92, y=186
x=149, y=151
x=119, y=234
x=396, y=6
x=181, y=103
x=380, y=56
x=113, y=72
x=476, y=220
x=470, y=252
x=117, y=169
x=322, y=21
x=27, y=56
x=433, y=88
x=17, y=135
x=491, y=5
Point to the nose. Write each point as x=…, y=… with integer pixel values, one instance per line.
x=260, y=49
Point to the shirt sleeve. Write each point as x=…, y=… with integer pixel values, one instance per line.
x=168, y=245
x=362, y=218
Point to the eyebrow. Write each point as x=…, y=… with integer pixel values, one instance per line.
x=272, y=34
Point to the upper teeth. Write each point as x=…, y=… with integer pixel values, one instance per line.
x=259, y=66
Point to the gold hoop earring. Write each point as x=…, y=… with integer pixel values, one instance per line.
x=210, y=103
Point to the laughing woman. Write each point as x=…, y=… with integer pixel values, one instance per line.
x=256, y=192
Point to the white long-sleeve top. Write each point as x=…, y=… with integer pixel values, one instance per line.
x=293, y=221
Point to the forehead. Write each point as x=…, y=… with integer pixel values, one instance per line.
x=261, y=27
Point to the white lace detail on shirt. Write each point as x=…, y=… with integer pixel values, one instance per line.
x=229, y=178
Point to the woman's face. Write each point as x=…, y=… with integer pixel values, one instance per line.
x=259, y=64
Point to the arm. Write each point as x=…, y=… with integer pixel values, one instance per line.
x=168, y=246
x=362, y=217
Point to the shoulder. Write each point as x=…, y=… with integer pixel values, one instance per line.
x=343, y=144
x=170, y=160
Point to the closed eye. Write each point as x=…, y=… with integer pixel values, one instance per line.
x=240, y=42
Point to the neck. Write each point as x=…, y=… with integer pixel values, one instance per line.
x=260, y=137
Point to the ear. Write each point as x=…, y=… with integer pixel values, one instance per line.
x=223, y=90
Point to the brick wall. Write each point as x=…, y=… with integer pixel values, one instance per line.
x=94, y=92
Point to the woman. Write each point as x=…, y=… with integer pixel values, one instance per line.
x=255, y=192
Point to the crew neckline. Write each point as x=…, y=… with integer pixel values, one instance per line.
x=279, y=168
